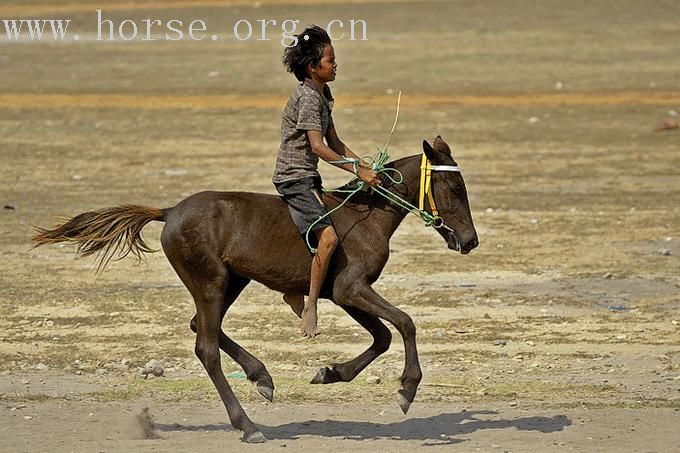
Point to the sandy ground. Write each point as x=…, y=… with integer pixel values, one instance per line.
x=560, y=332
x=437, y=427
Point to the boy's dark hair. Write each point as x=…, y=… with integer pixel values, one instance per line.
x=306, y=51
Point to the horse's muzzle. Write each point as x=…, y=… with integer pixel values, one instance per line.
x=454, y=243
x=469, y=245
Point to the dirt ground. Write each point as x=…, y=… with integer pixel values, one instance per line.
x=561, y=332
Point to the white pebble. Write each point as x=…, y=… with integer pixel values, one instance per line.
x=373, y=380
x=153, y=367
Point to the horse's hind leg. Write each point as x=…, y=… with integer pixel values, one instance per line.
x=208, y=285
x=254, y=368
x=345, y=372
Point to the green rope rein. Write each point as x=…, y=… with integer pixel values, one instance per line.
x=378, y=165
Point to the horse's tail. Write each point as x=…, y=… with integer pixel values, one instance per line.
x=106, y=232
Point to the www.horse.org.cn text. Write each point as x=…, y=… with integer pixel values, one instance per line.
x=109, y=29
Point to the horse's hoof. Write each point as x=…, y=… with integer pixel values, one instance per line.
x=265, y=391
x=326, y=376
x=321, y=376
x=404, y=403
x=254, y=438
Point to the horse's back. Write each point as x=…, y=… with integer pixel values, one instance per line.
x=251, y=233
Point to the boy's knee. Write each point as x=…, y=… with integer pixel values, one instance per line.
x=328, y=238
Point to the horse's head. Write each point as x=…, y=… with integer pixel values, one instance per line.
x=450, y=197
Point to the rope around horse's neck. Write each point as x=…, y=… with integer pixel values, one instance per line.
x=377, y=163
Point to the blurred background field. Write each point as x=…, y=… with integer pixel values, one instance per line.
x=551, y=107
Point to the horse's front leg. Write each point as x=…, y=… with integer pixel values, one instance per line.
x=364, y=298
x=345, y=372
x=296, y=302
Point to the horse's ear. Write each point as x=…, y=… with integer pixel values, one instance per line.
x=436, y=156
x=441, y=146
x=429, y=151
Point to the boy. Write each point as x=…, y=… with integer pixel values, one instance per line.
x=306, y=121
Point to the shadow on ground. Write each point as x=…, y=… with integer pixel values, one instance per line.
x=174, y=427
x=436, y=430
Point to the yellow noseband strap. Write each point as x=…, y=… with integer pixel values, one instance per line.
x=426, y=169
x=426, y=186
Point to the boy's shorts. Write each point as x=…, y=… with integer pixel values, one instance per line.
x=304, y=203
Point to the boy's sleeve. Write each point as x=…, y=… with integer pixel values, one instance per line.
x=309, y=113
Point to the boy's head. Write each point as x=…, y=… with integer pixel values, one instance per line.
x=307, y=52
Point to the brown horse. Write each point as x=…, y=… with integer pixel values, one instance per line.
x=218, y=242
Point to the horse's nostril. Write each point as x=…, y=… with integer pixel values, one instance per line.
x=472, y=244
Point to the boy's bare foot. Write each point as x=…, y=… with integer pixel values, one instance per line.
x=296, y=302
x=308, y=325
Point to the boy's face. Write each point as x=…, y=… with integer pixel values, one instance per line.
x=325, y=71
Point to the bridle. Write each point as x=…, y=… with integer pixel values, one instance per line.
x=378, y=164
x=426, y=169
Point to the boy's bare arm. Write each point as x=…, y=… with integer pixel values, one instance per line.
x=329, y=155
x=326, y=152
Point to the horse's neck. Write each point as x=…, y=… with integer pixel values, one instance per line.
x=408, y=190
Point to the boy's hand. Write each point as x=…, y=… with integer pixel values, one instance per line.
x=368, y=176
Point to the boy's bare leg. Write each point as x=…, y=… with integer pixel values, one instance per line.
x=296, y=302
x=328, y=240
